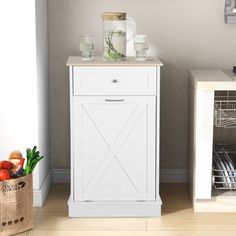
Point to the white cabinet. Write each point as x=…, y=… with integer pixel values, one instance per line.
x=206, y=86
x=114, y=140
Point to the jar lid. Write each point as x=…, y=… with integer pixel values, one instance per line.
x=114, y=16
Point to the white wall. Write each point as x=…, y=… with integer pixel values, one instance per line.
x=18, y=90
x=183, y=33
x=42, y=85
x=24, y=81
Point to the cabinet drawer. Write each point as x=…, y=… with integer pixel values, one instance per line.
x=114, y=80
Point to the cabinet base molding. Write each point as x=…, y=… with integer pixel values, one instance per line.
x=211, y=206
x=114, y=209
x=220, y=202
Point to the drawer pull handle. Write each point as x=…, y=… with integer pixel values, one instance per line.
x=114, y=100
x=114, y=81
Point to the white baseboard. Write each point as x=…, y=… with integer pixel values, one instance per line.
x=174, y=176
x=40, y=195
x=61, y=176
x=166, y=176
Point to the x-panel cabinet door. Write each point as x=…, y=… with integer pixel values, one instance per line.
x=114, y=148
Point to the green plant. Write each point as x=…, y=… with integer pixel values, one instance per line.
x=112, y=53
x=33, y=157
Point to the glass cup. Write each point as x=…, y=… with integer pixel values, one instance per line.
x=86, y=46
x=141, y=47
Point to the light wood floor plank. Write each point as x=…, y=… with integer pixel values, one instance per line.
x=48, y=220
x=35, y=212
x=177, y=218
x=23, y=234
x=130, y=233
x=178, y=215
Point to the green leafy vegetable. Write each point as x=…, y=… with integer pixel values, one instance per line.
x=33, y=157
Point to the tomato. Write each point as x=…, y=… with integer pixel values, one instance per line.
x=6, y=165
x=4, y=175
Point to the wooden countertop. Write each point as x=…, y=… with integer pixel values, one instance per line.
x=98, y=61
x=212, y=80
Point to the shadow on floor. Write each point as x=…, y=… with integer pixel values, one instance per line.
x=175, y=198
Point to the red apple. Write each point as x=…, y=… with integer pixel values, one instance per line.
x=4, y=175
x=6, y=165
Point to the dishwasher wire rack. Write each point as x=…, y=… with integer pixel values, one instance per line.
x=225, y=111
x=224, y=168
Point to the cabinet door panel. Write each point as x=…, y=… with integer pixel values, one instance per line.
x=114, y=148
x=203, y=141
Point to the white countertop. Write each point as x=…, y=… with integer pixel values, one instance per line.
x=98, y=61
x=212, y=80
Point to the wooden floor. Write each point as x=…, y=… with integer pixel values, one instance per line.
x=177, y=219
